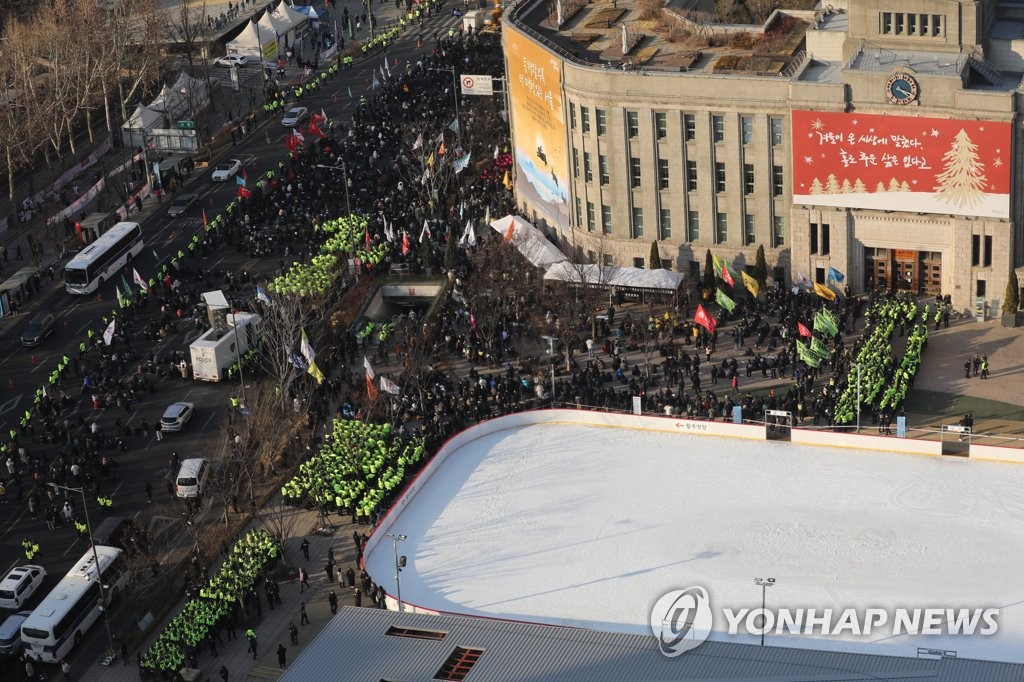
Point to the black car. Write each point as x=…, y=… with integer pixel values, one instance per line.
x=181, y=204
x=38, y=329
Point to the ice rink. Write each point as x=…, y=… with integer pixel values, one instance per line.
x=587, y=526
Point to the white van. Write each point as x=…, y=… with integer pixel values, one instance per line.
x=20, y=584
x=192, y=477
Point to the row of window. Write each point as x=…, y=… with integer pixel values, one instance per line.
x=664, y=174
x=981, y=257
x=636, y=228
x=911, y=24
x=718, y=129
x=825, y=242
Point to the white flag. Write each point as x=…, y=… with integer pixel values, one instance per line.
x=108, y=335
x=419, y=142
x=389, y=386
x=305, y=347
x=472, y=236
x=369, y=368
x=495, y=152
x=424, y=231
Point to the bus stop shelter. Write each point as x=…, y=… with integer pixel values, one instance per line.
x=16, y=289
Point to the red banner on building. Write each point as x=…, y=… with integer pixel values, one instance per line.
x=901, y=163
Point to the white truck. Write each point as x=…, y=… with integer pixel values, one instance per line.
x=211, y=356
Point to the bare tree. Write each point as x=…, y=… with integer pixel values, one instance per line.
x=186, y=28
x=283, y=320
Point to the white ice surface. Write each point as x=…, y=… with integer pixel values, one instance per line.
x=588, y=526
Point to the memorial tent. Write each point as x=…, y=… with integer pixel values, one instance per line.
x=255, y=42
x=142, y=120
x=660, y=279
x=296, y=22
x=530, y=241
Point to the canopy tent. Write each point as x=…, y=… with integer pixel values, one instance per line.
x=133, y=131
x=296, y=22
x=315, y=14
x=530, y=241
x=280, y=29
x=256, y=42
x=613, y=276
x=182, y=100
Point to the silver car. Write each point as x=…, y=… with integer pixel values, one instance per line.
x=10, y=634
x=176, y=416
x=181, y=203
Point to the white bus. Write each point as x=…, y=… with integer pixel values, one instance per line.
x=102, y=259
x=66, y=614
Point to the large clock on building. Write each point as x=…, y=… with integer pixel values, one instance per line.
x=901, y=88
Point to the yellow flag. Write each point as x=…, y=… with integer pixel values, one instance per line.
x=315, y=372
x=430, y=160
x=824, y=292
x=751, y=284
x=507, y=181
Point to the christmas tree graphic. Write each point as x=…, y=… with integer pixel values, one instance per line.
x=962, y=181
x=858, y=187
x=816, y=186
x=880, y=187
x=847, y=187
x=831, y=184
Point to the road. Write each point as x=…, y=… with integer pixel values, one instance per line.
x=147, y=459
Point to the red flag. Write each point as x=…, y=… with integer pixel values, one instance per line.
x=405, y=244
x=243, y=192
x=291, y=143
x=205, y=224
x=441, y=150
x=473, y=325
x=804, y=331
x=703, y=319
x=318, y=117
x=726, y=275
x=367, y=238
x=371, y=390
x=314, y=129
x=510, y=232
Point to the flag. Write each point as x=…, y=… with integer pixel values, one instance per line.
x=724, y=301
x=825, y=323
x=319, y=117
x=314, y=129
x=418, y=143
x=802, y=330
x=495, y=157
x=806, y=356
x=108, y=335
x=126, y=285
x=121, y=302
x=367, y=238
x=370, y=374
x=205, y=225
x=315, y=372
x=473, y=325
x=835, y=276
x=298, y=136
x=297, y=361
x=703, y=319
x=751, y=284
x=424, y=231
x=305, y=347
x=472, y=236
x=507, y=181
x=350, y=92
x=376, y=83
x=441, y=150
x=389, y=386
x=510, y=232
x=291, y=143
x=487, y=217
x=371, y=390
x=138, y=279
x=405, y=243
x=726, y=275
x=239, y=180
x=460, y=164
x=801, y=280
x=244, y=193
x=824, y=292
x=454, y=127
x=818, y=348
x=430, y=160
x=262, y=295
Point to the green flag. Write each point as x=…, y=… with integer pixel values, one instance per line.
x=818, y=348
x=724, y=301
x=825, y=323
x=806, y=356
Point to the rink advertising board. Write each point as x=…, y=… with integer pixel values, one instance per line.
x=538, y=127
x=901, y=163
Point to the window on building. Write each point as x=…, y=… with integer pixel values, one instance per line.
x=718, y=128
x=721, y=228
x=661, y=125
x=602, y=169
x=608, y=260
x=776, y=123
x=924, y=24
x=814, y=238
x=749, y=231
x=638, y=263
x=719, y=177
x=899, y=17
x=590, y=217
x=588, y=171
x=987, y=262
x=634, y=172
x=691, y=176
x=632, y=123
x=819, y=275
x=458, y=664
x=585, y=119
x=606, y=219
x=912, y=24
x=748, y=178
x=975, y=250
x=778, y=231
x=663, y=173
x=572, y=116
x=692, y=226
x=886, y=27
x=689, y=127
x=778, y=181
x=665, y=224
x=579, y=212
x=575, y=162
x=826, y=239
x=591, y=256
x=937, y=24
x=747, y=129
x=638, y=222
x=601, y=120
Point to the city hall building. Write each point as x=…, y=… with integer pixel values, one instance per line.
x=873, y=140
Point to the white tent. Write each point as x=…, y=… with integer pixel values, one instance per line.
x=277, y=28
x=250, y=41
x=530, y=241
x=612, y=276
x=296, y=21
x=143, y=119
x=181, y=101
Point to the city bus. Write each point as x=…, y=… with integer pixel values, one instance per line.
x=103, y=259
x=66, y=614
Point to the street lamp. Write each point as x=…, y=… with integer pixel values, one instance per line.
x=95, y=556
x=764, y=584
x=344, y=169
x=399, y=565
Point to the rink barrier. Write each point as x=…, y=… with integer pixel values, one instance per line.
x=997, y=453
x=861, y=441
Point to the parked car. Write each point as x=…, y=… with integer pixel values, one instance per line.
x=176, y=416
x=232, y=60
x=38, y=328
x=181, y=203
x=227, y=170
x=10, y=634
x=294, y=117
x=20, y=583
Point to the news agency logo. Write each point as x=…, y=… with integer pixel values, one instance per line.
x=681, y=620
